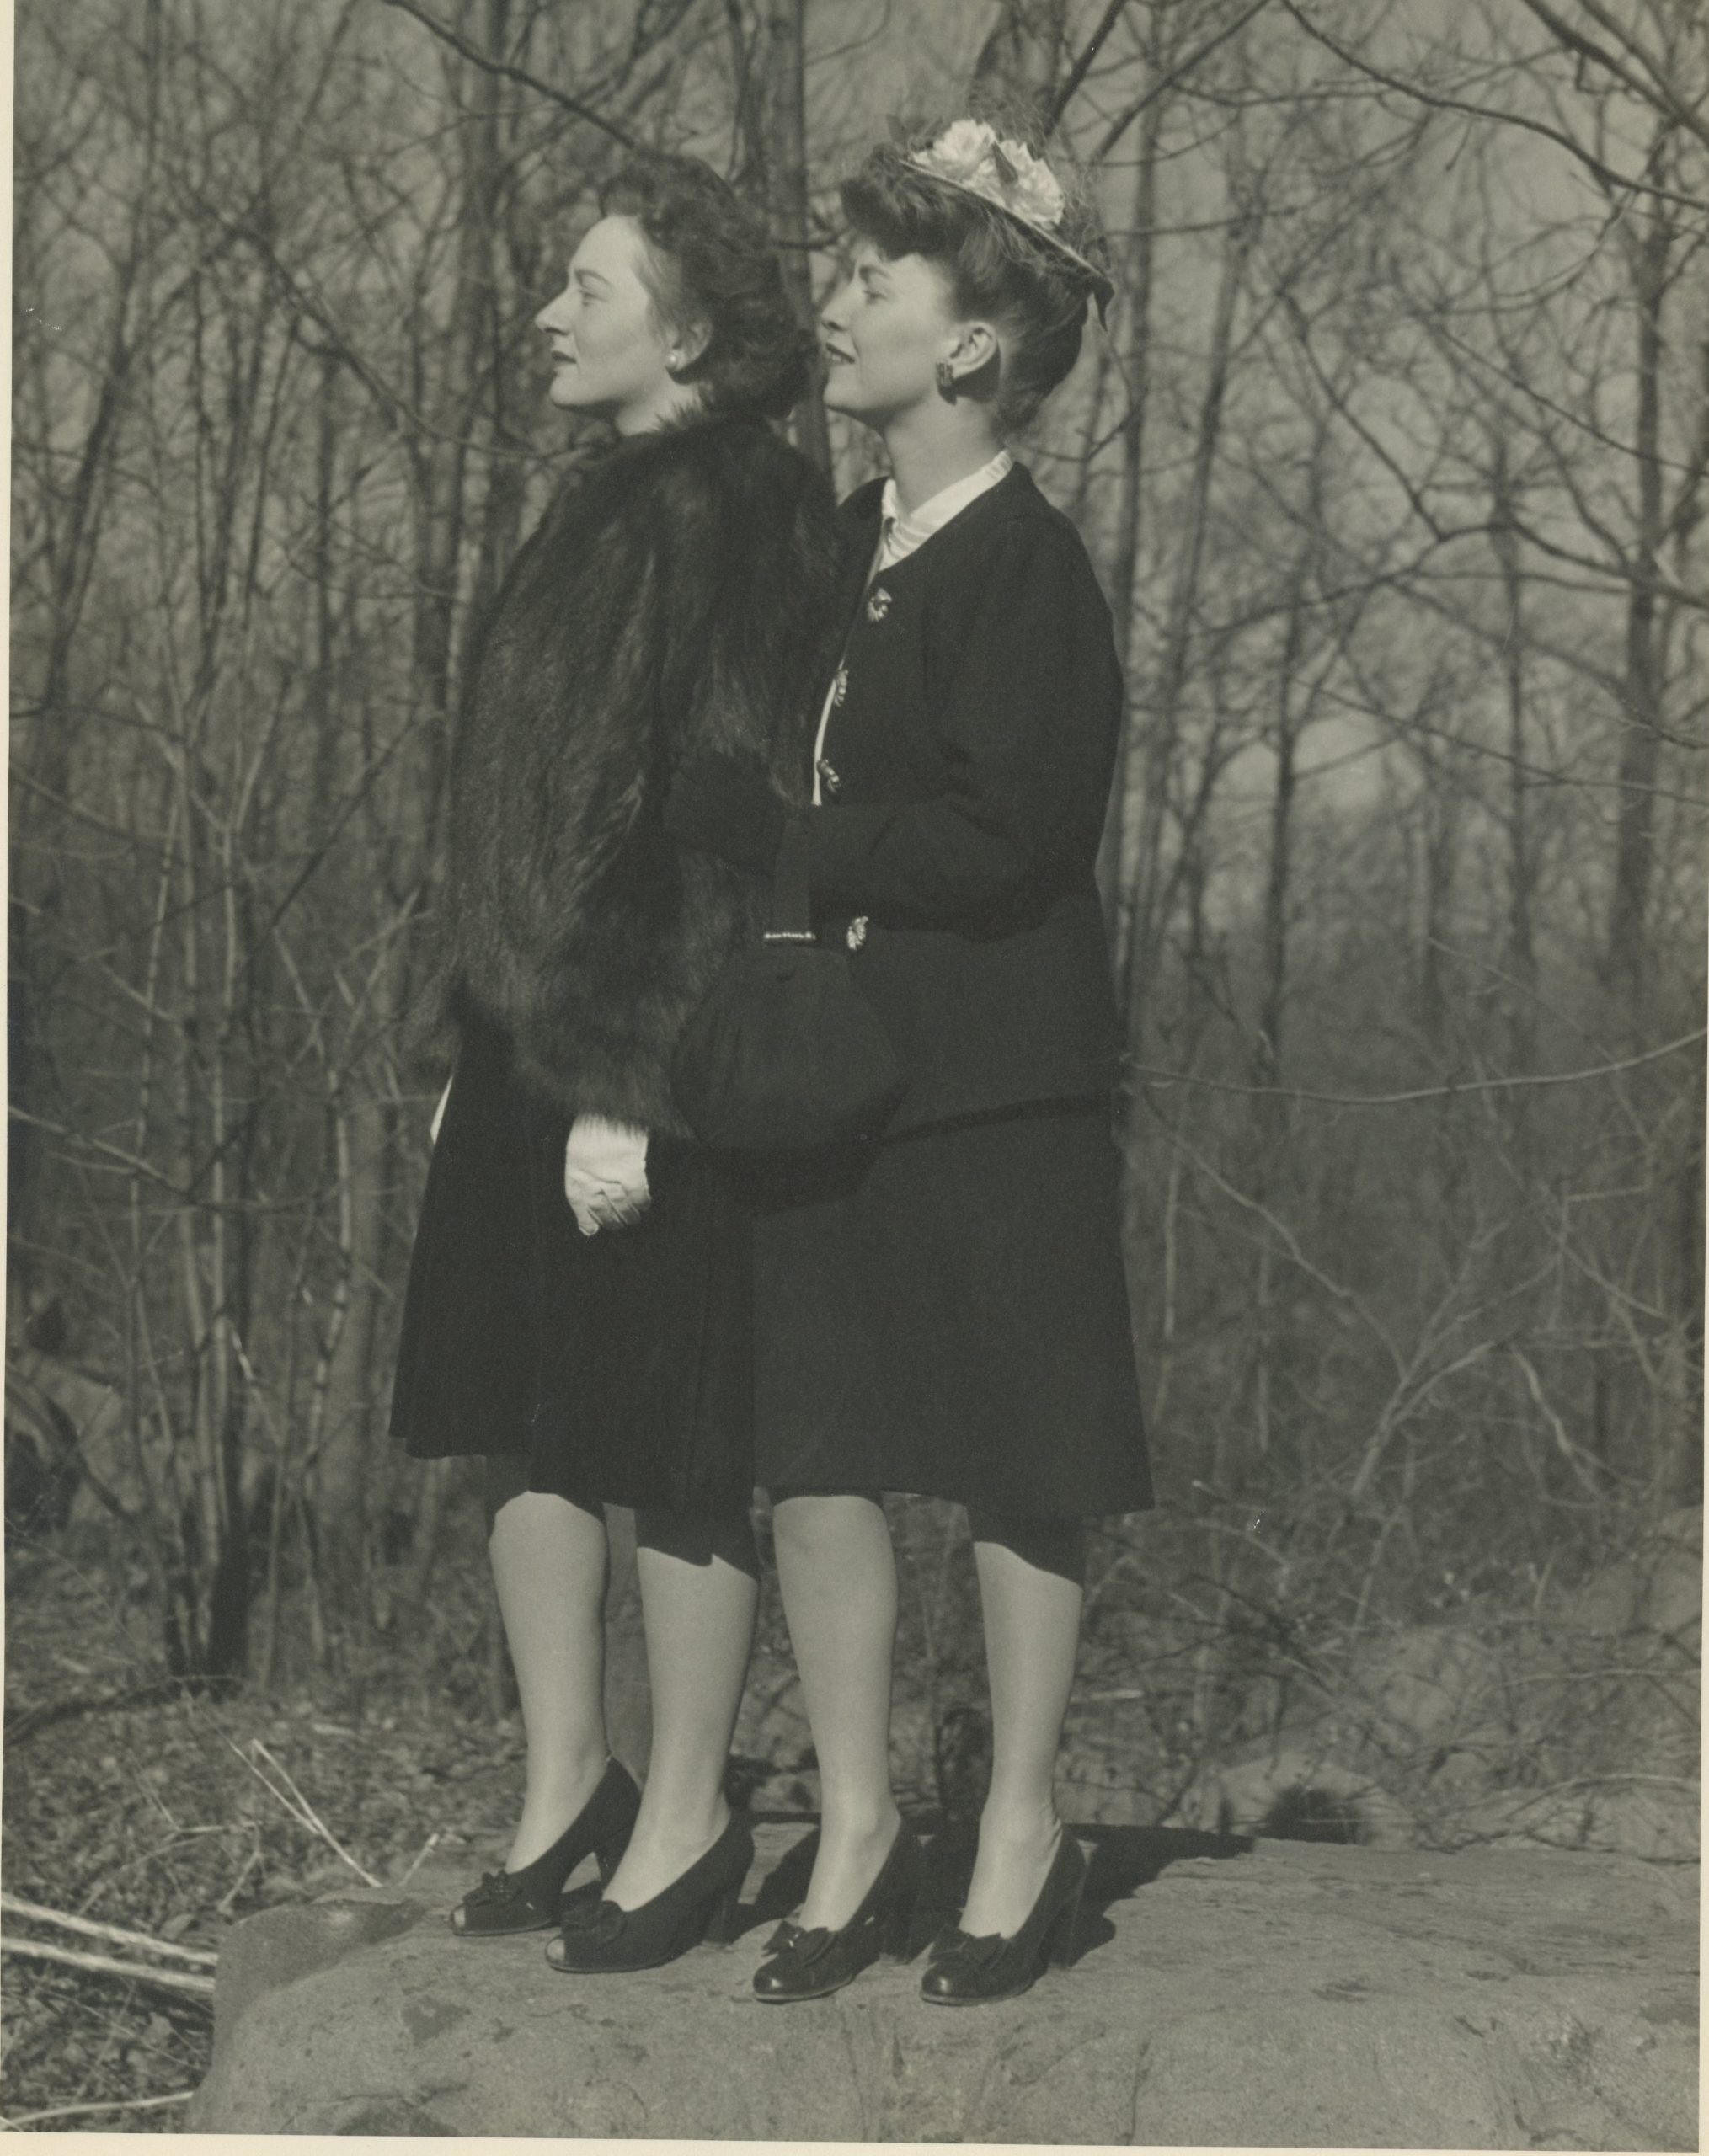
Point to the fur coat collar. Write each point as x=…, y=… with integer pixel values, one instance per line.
x=677, y=595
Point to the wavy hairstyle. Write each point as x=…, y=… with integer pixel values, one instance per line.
x=710, y=261
x=998, y=271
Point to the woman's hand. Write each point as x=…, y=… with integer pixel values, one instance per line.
x=724, y=804
x=604, y=1173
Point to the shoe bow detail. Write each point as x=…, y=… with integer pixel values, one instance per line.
x=803, y=1947
x=494, y=1886
x=802, y=1964
x=597, y=1921
x=700, y=1903
x=526, y=1899
x=965, y=1970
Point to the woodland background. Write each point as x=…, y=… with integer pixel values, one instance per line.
x=1393, y=464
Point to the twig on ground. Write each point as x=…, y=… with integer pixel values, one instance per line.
x=224, y=1904
x=426, y=1849
x=11, y=1905
x=81, y=2110
x=298, y=1805
x=103, y=1965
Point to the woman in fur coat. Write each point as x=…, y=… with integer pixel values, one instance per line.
x=945, y=1311
x=578, y=1307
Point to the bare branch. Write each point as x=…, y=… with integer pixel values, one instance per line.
x=1604, y=173
x=103, y=1965
x=1082, y=66
x=1658, y=92
x=91, y=2110
x=295, y=1803
x=1422, y=1092
x=486, y=61
x=1155, y=90
x=13, y=1905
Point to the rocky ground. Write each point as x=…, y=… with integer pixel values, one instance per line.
x=1563, y=1718
x=1279, y=1994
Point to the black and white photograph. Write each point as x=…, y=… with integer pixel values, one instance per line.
x=856, y=1047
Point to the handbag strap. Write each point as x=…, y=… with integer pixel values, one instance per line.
x=792, y=903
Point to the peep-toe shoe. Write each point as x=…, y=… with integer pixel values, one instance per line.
x=509, y=1901
x=603, y=1940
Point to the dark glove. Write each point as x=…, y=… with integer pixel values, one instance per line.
x=724, y=804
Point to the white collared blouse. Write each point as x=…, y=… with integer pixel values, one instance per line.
x=899, y=535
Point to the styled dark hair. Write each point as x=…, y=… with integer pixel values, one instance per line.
x=711, y=262
x=998, y=270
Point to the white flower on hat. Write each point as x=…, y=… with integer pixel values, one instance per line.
x=971, y=157
x=960, y=149
x=1036, y=193
x=971, y=154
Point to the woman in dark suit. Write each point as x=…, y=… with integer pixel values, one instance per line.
x=578, y=1307
x=945, y=1311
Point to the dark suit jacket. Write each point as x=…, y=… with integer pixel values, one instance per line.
x=968, y=766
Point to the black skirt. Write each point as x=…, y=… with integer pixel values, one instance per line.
x=946, y=1313
x=619, y=1365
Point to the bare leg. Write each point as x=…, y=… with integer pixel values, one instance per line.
x=699, y=1591
x=838, y=1576
x=1031, y=1578
x=549, y=1566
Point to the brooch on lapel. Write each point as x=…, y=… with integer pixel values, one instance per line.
x=857, y=934
x=878, y=604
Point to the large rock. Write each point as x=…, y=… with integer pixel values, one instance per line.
x=1494, y=1724
x=1280, y=1993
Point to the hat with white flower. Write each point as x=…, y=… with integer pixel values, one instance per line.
x=971, y=158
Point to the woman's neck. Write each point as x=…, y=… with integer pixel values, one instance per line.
x=930, y=447
x=677, y=400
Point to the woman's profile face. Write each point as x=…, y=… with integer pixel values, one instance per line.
x=611, y=354
x=883, y=331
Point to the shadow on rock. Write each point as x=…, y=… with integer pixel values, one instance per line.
x=784, y=1886
x=1122, y=1859
x=1125, y=1859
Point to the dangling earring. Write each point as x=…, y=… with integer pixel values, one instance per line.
x=945, y=381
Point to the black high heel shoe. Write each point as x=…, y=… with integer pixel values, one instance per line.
x=605, y=1940
x=509, y=1901
x=812, y=1964
x=967, y=1972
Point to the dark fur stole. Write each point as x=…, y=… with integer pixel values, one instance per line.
x=677, y=595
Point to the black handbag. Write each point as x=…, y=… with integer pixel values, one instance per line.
x=786, y=1053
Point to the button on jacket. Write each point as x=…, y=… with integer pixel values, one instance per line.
x=972, y=748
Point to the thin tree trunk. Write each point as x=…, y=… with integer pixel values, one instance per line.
x=1521, y=866
x=1269, y=1115
x=1022, y=55
x=787, y=189
x=441, y=467
x=1124, y=567
x=1634, y=848
x=1142, y=869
